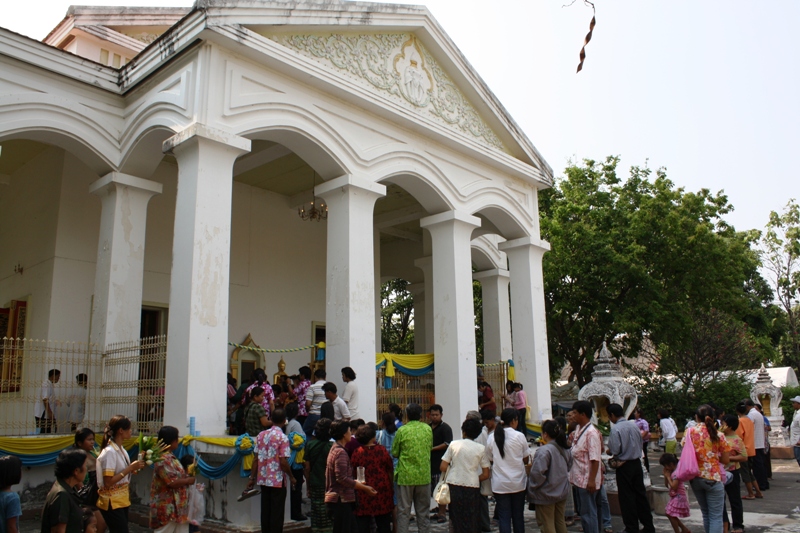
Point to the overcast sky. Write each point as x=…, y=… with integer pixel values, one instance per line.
x=708, y=90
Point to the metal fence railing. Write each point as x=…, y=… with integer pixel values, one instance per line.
x=67, y=374
x=405, y=389
x=133, y=381
x=496, y=374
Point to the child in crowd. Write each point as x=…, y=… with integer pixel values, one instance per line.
x=89, y=520
x=10, y=509
x=678, y=506
x=281, y=396
x=197, y=505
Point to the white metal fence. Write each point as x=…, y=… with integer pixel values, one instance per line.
x=133, y=381
x=66, y=373
x=83, y=386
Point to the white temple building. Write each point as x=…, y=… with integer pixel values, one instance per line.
x=156, y=159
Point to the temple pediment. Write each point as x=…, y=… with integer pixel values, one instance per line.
x=398, y=66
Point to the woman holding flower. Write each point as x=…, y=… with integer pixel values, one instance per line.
x=169, y=499
x=113, y=497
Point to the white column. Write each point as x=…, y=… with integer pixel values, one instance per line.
x=453, y=312
x=376, y=243
x=117, y=305
x=199, y=285
x=531, y=361
x=496, y=315
x=426, y=265
x=350, y=284
x=418, y=292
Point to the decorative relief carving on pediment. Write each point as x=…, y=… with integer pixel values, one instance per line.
x=145, y=38
x=399, y=65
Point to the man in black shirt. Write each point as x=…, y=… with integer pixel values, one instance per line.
x=442, y=437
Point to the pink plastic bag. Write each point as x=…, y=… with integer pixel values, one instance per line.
x=687, y=466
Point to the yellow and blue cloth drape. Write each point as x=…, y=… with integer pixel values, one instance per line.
x=43, y=450
x=409, y=364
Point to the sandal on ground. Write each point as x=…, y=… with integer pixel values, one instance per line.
x=441, y=519
x=748, y=497
x=608, y=530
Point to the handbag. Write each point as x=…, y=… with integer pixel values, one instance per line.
x=442, y=491
x=687, y=468
x=87, y=494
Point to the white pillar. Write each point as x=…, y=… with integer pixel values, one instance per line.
x=531, y=361
x=496, y=315
x=454, y=314
x=117, y=303
x=198, y=299
x=376, y=243
x=426, y=265
x=350, y=284
x=418, y=293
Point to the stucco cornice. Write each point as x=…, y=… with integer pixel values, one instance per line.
x=58, y=61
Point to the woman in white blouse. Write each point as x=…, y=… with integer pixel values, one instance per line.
x=466, y=466
x=114, y=468
x=507, y=450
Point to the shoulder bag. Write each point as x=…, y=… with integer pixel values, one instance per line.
x=442, y=491
x=687, y=468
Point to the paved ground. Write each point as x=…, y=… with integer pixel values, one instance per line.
x=778, y=512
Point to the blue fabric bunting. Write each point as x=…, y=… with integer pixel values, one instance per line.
x=211, y=472
x=36, y=460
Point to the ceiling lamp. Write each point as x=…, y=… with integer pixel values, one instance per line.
x=316, y=210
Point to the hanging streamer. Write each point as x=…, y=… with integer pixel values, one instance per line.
x=286, y=350
x=512, y=374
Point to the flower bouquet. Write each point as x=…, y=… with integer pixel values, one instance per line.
x=151, y=449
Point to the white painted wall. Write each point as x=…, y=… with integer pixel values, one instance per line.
x=277, y=287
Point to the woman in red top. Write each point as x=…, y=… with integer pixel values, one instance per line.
x=378, y=471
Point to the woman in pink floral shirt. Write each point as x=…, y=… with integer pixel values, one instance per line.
x=712, y=452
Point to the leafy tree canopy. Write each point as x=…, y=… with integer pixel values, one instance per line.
x=780, y=253
x=640, y=258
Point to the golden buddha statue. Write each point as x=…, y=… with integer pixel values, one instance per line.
x=278, y=377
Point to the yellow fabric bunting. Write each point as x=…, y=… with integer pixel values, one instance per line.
x=227, y=442
x=410, y=361
x=41, y=444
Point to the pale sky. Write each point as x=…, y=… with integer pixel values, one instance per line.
x=708, y=90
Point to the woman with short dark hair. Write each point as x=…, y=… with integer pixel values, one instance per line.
x=378, y=473
x=62, y=512
x=169, y=499
x=340, y=487
x=465, y=465
x=84, y=440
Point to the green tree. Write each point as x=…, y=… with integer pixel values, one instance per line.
x=397, y=312
x=780, y=254
x=636, y=258
x=477, y=302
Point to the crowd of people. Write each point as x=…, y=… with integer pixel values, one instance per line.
x=364, y=477
x=732, y=449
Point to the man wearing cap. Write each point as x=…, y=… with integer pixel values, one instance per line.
x=794, y=429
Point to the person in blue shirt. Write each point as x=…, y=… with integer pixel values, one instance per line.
x=10, y=509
